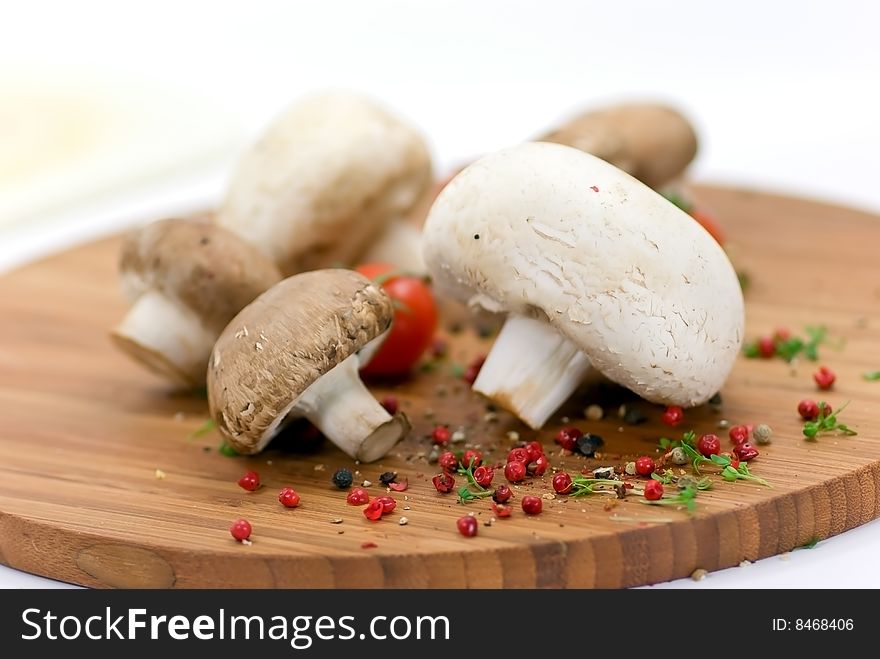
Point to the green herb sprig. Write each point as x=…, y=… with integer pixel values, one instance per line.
x=826, y=423
x=686, y=498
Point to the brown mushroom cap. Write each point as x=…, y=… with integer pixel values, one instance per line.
x=283, y=342
x=652, y=142
x=204, y=266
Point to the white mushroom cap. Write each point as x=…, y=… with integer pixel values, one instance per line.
x=547, y=232
x=325, y=181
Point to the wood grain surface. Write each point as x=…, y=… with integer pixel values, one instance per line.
x=83, y=432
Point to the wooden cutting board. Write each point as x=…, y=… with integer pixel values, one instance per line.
x=83, y=432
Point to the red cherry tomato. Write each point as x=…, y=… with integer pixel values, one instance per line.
x=415, y=321
x=709, y=223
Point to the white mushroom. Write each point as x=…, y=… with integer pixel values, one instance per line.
x=593, y=268
x=329, y=183
x=186, y=279
x=295, y=352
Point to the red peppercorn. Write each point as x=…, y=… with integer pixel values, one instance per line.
x=653, y=490
x=472, y=458
x=532, y=505
x=709, y=444
x=766, y=347
x=502, y=494
x=441, y=435
x=448, y=461
x=538, y=466
x=501, y=511
x=250, y=481
x=738, y=435
x=443, y=483
x=467, y=526
x=390, y=404
x=483, y=475
x=241, y=529
x=358, y=497
x=534, y=449
x=473, y=369
x=567, y=438
x=388, y=504
x=374, y=510
x=515, y=471
x=562, y=483
x=288, y=497
x=518, y=455
x=745, y=452
x=645, y=465
x=781, y=334
x=673, y=415
x=808, y=409
x=825, y=408
x=824, y=378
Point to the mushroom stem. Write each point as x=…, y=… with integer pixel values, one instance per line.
x=345, y=411
x=400, y=244
x=531, y=370
x=165, y=336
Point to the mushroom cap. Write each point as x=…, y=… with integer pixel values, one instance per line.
x=547, y=231
x=652, y=142
x=286, y=339
x=324, y=181
x=203, y=266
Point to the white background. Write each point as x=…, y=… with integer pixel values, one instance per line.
x=784, y=95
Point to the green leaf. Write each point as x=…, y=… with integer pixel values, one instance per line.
x=810, y=543
x=751, y=350
x=203, y=429
x=872, y=376
x=227, y=450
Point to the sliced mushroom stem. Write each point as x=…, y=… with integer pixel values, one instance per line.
x=531, y=370
x=165, y=336
x=400, y=244
x=345, y=411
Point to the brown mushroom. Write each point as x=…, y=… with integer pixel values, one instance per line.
x=186, y=279
x=652, y=142
x=295, y=352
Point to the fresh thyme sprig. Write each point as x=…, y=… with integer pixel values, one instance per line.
x=826, y=423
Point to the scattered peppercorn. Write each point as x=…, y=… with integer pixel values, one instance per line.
x=358, y=497
x=502, y=494
x=678, y=456
x=515, y=471
x=634, y=416
x=653, y=490
x=288, y=497
x=808, y=409
x=824, y=378
x=594, y=412
x=534, y=449
x=241, y=529
x=374, y=510
x=441, y=435
x=709, y=444
x=567, y=438
x=518, y=455
x=388, y=504
x=630, y=469
x=448, y=461
x=483, y=475
x=473, y=370
x=645, y=465
x=343, y=478
x=390, y=404
x=472, y=458
x=738, y=434
x=672, y=416
x=587, y=444
x=443, y=483
x=539, y=466
x=532, y=505
x=467, y=526
x=399, y=486
x=745, y=452
x=762, y=433
x=387, y=477
x=766, y=347
x=250, y=481
x=562, y=483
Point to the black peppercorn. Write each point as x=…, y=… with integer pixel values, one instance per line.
x=387, y=477
x=634, y=417
x=343, y=478
x=587, y=444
